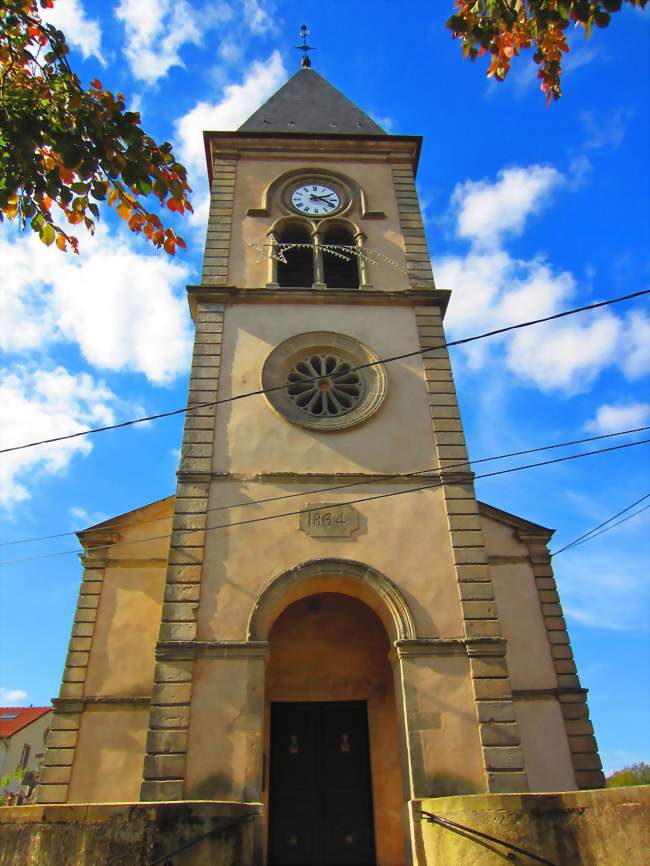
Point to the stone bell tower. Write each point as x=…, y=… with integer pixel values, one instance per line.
x=343, y=628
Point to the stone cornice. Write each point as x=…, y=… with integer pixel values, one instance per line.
x=207, y=294
x=223, y=649
x=461, y=646
x=232, y=144
x=77, y=704
x=549, y=694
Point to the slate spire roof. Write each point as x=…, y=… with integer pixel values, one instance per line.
x=309, y=103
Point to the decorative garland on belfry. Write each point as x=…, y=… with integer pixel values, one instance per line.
x=272, y=249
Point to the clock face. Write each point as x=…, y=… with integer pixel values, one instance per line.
x=315, y=199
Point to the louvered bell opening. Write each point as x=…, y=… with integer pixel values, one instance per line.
x=299, y=268
x=340, y=272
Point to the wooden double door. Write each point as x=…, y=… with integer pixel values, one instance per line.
x=320, y=798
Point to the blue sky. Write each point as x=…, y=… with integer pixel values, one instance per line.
x=529, y=210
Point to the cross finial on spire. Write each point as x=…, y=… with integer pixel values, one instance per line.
x=304, y=33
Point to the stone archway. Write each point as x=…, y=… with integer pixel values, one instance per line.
x=330, y=626
x=333, y=575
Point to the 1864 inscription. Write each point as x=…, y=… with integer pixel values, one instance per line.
x=329, y=521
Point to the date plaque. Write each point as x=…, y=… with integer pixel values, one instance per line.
x=328, y=521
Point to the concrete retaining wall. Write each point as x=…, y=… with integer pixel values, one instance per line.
x=130, y=834
x=576, y=828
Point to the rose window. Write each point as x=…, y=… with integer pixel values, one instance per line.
x=324, y=381
x=324, y=386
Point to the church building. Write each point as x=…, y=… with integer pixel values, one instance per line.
x=323, y=621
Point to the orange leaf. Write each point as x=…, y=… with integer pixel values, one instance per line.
x=60, y=242
x=170, y=246
x=96, y=84
x=181, y=243
x=124, y=210
x=111, y=197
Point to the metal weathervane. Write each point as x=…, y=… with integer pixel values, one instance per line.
x=304, y=33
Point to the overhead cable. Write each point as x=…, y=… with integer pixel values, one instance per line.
x=372, y=480
x=605, y=526
x=438, y=483
x=260, y=391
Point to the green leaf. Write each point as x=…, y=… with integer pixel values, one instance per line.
x=144, y=186
x=47, y=234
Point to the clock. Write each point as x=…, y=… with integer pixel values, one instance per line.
x=315, y=199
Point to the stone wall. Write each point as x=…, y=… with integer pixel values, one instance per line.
x=130, y=834
x=576, y=828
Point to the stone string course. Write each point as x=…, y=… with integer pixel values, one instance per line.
x=166, y=748
x=502, y=753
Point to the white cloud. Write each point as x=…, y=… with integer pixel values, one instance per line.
x=259, y=16
x=635, y=358
x=81, y=32
x=580, y=54
x=43, y=403
x=487, y=212
x=605, y=131
x=115, y=302
x=157, y=30
x=492, y=289
x=12, y=697
x=604, y=588
x=564, y=356
x=619, y=416
x=85, y=518
x=238, y=102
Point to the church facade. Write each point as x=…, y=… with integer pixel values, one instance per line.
x=323, y=621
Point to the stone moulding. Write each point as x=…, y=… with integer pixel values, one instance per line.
x=457, y=646
x=434, y=298
x=71, y=704
x=397, y=613
x=186, y=650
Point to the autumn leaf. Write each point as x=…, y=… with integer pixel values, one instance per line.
x=71, y=146
x=124, y=210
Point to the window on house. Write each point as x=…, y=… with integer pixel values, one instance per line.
x=24, y=757
x=298, y=271
x=9, y=715
x=340, y=273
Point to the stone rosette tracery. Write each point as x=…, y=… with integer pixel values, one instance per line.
x=312, y=380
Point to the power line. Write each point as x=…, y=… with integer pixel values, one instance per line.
x=260, y=391
x=374, y=479
x=604, y=527
x=438, y=483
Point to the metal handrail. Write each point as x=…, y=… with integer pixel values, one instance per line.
x=166, y=859
x=452, y=825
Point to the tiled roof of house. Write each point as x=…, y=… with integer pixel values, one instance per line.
x=14, y=719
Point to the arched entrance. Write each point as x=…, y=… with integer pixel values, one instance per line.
x=333, y=784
